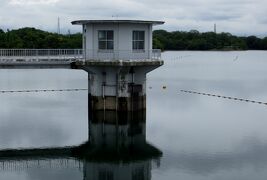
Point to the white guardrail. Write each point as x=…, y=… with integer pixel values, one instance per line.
x=77, y=54
x=41, y=54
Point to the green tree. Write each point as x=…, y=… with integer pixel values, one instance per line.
x=157, y=44
x=264, y=43
x=13, y=40
x=253, y=42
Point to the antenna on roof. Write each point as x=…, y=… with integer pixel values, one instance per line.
x=115, y=16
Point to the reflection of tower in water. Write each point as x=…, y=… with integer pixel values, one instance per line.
x=107, y=171
x=118, y=148
x=118, y=130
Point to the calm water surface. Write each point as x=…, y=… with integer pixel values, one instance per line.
x=201, y=137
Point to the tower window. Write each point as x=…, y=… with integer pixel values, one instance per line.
x=105, y=40
x=138, y=40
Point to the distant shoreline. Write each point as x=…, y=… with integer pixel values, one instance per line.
x=206, y=41
x=31, y=38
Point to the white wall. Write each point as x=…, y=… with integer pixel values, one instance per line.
x=122, y=41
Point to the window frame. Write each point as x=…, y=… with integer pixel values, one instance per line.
x=135, y=42
x=106, y=40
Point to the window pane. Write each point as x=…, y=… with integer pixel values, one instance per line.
x=139, y=40
x=141, y=35
x=105, y=39
x=109, y=35
x=141, y=45
x=102, y=44
x=102, y=35
x=109, y=44
x=134, y=45
x=135, y=35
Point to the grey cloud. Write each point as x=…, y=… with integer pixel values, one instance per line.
x=217, y=17
x=178, y=14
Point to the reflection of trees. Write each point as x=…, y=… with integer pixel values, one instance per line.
x=92, y=162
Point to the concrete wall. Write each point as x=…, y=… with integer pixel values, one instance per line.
x=122, y=41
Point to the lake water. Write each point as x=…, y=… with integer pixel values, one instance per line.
x=200, y=136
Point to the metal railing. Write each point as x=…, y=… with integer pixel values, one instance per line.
x=41, y=54
x=78, y=54
x=125, y=55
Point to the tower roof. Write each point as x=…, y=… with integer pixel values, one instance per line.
x=81, y=22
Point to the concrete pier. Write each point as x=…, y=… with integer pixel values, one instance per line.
x=116, y=92
x=117, y=86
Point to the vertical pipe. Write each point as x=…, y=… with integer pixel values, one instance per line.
x=132, y=99
x=104, y=100
x=116, y=108
x=90, y=112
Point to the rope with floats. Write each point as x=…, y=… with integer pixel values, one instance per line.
x=225, y=97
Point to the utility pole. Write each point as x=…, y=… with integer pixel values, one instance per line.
x=58, y=25
x=215, y=30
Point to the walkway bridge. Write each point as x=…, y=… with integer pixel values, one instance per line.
x=63, y=58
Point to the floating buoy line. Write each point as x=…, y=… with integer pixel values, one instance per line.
x=41, y=90
x=225, y=97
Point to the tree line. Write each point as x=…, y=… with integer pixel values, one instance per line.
x=31, y=38
x=194, y=40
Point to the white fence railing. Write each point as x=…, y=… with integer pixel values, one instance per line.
x=127, y=55
x=41, y=54
x=78, y=54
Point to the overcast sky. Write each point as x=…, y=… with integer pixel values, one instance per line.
x=240, y=17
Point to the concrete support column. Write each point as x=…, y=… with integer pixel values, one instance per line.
x=116, y=101
x=117, y=88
